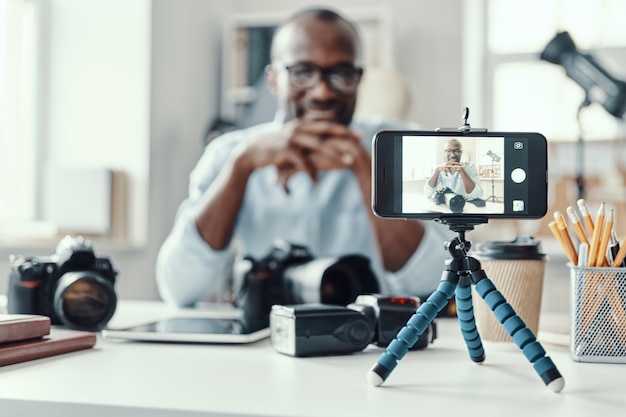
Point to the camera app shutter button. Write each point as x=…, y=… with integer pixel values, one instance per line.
x=518, y=175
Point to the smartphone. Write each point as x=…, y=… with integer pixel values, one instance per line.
x=423, y=174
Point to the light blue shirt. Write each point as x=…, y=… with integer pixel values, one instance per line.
x=454, y=181
x=329, y=218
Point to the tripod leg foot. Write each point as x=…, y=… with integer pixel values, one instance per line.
x=523, y=337
x=410, y=333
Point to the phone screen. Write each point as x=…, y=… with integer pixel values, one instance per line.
x=194, y=325
x=420, y=174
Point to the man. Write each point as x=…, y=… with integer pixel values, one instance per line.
x=454, y=176
x=304, y=178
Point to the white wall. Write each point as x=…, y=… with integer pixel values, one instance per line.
x=184, y=88
x=98, y=105
x=184, y=91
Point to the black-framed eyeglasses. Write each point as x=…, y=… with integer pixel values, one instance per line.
x=343, y=78
x=457, y=152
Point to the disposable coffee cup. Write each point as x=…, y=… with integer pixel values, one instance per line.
x=516, y=269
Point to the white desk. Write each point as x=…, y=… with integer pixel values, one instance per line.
x=141, y=379
x=418, y=203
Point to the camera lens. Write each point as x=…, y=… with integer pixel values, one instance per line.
x=84, y=300
x=456, y=203
x=339, y=285
x=329, y=280
x=344, y=280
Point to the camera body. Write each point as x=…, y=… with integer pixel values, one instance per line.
x=322, y=329
x=289, y=275
x=73, y=286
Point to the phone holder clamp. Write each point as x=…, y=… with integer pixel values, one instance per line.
x=464, y=127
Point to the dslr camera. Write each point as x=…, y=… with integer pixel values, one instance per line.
x=320, y=329
x=73, y=286
x=446, y=196
x=289, y=274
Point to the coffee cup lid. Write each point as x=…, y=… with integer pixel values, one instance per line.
x=522, y=247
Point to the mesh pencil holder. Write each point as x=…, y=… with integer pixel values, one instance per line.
x=598, y=331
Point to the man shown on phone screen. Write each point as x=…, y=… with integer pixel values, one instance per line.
x=304, y=178
x=454, y=176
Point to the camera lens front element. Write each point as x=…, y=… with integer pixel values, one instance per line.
x=84, y=300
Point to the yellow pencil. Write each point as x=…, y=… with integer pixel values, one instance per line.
x=578, y=228
x=595, y=238
x=567, y=240
x=572, y=257
x=604, y=240
x=584, y=212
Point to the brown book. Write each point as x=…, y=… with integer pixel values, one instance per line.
x=16, y=327
x=57, y=342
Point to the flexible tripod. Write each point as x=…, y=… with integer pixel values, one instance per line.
x=461, y=273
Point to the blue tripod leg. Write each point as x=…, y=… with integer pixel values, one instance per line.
x=467, y=322
x=521, y=334
x=410, y=333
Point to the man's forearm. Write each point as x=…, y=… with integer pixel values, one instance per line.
x=397, y=239
x=468, y=182
x=432, y=181
x=221, y=204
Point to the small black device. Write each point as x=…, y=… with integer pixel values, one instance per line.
x=404, y=160
x=290, y=274
x=73, y=287
x=323, y=329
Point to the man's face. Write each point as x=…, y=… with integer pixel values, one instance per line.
x=321, y=82
x=453, y=152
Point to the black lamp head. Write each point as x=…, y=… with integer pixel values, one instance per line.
x=600, y=86
x=557, y=47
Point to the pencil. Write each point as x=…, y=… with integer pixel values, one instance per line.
x=578, y=228
x=583, y=250
x=572, y=257
x=567, y=240
x=604, y=240
x=619, y=257
x=595, y=238
x=618, y=316
x=584, y=212
x=613, y=247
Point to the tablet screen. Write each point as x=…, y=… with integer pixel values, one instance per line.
x=190, y=329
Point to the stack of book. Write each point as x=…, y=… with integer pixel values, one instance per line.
x=24, y=337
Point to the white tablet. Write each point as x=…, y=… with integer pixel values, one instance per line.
x=190, y=330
